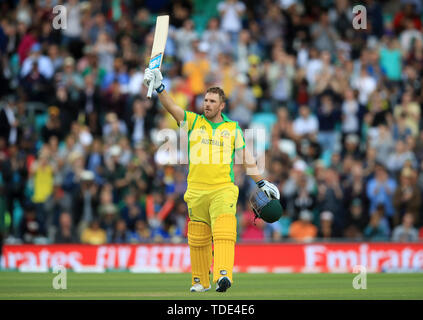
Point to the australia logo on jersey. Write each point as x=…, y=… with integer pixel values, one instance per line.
x=225, y=134
x=203, y=128
x=212, y=142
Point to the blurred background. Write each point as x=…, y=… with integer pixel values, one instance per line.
x=341, y=108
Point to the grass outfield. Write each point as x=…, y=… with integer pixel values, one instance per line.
x=125, y=285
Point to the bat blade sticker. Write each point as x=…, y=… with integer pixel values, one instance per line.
x=155, y=62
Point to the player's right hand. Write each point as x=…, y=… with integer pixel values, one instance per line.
x=152, y=75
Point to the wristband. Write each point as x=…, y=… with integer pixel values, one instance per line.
x=160, y=88
x=260, y=183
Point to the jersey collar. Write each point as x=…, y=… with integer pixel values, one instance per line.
x=224, y=117
x=215, y=125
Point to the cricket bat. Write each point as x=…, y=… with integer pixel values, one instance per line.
x=159, y=44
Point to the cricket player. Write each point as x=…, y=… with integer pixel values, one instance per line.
x=211, y=195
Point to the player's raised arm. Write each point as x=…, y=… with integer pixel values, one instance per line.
x=156, y=76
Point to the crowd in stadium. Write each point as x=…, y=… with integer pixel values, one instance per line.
x=341, y=108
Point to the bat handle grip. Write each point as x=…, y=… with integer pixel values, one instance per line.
x=150, y=89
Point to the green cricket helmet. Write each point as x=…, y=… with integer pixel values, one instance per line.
x=270, y=210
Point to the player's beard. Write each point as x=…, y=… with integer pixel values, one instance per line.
x=211, y=115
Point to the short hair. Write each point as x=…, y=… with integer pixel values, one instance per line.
x=218, y=91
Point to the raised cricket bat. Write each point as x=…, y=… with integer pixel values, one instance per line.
x=159, y=44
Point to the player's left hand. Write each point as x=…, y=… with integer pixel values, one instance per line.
x=269, y=189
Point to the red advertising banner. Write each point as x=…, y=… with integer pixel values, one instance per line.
x=281, y=257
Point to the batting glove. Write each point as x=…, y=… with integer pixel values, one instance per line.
x=269, y=189
x=153, y=75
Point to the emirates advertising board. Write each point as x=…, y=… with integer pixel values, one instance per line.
x=252, y=258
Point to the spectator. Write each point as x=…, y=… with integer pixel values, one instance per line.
x=354, y=185
x=323, y=34
x=86, y=200
x=378, y=227
x=105, y=49
x=31, y=229
x=37, y=61
x=306, y=124
x=14, y=174
x=53, y=126
x=120, y=233
x=380, y=191
x=284, y=225
x=390, y=60
x=328, y=116
x=410, y=111
x=197, y=69
x=303, y=198
x=313, y=67
x=409, y=34
x=380, y=113
x=365, y=84
x=42, y=172
x=341, y=16
x=167, y=231
x=141, y=234
x=217, y=40
x=184, y=40
x=8, y=122
x=407, y=197
x=406, y=231
x=303, y=229
x=35, y=84
x=280, y=77
x=274, y=23
x=90, y=104
x=93, y=234
x=157, y=207
x=382, y=143
x=68, y=109
x=351, y=147
x=108, y=216
x=397, y=160
x=136, y=124
x=356, y=220
x=100, y=26
x=242, y=102
x=65, y=233
x=132, y=211
x=23, y=12
x=113, y=129
x=180, y=216
x=247, y=48
x=400, y=130
x=252, y=229
x=350, y=113
x=115, y=172
x=407, y=12
x=119, y=74
x=115, y=100
x=326, y=225
x=329, y=198
x=231, y=12
x=73, y=30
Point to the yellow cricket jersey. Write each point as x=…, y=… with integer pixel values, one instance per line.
x=211, y=150
x=43, y=183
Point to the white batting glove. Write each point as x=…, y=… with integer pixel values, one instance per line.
x=269, y=189
x=153, y=75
